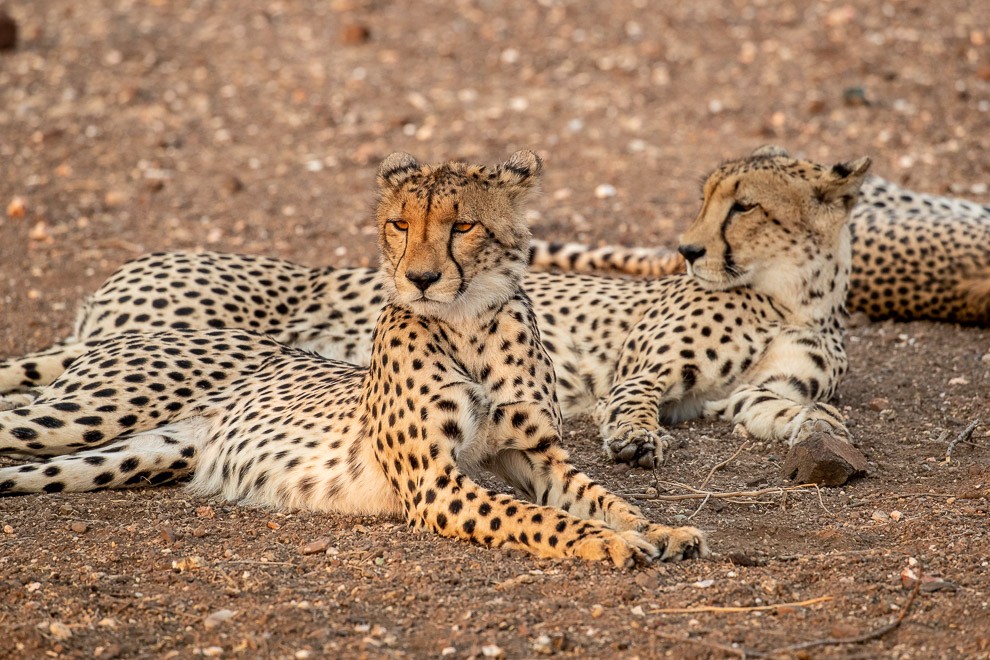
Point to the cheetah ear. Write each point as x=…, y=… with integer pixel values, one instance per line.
x=395, y=169
x=521, y=173
x=770, y=151
x=842, y=182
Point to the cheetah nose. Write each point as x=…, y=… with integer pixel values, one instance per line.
x=692, y=252
x=422, y=280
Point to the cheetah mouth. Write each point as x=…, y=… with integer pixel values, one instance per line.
x=720, y=281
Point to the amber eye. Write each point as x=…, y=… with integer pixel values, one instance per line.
x=463, y=227
x=401, y=225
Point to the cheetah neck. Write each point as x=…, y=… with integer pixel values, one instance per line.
x=814, y=294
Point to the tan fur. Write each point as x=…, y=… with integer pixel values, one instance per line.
x=914, y=256
x=458, y=380
x=763, y=341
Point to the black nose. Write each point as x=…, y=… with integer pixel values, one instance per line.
x=422, y=280
x=691, y=252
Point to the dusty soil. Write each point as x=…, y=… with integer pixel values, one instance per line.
x=256, y=126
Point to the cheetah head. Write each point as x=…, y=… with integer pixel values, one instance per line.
x=769, y=221
x=453, y=237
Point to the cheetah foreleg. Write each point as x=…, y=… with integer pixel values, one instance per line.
x=557, y=483
x=630, y=422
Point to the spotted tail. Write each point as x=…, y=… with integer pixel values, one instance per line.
x=39, y=369
x=611, y=259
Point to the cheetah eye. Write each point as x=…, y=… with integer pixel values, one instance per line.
x=739, y=207
x=463, y=227
x=401, y=225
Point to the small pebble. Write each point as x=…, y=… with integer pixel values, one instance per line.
x=79, y=527
x=605, y=191
x=217, y=618
x=315, y=547
x=168, y=535
x=205, y=512
x=492, y=651
x=16, y=208
x=7, y=529
x=878, y=403
x=232, y=185
x=59, y=630
x=199, y=532
x=355, y=34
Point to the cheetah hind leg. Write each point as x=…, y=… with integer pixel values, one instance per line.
x=149, y=458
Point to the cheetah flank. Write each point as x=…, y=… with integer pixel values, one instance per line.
x=457, y=380
x=914, y=256
x=638, y=352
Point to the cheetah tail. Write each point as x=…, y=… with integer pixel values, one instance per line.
x=39, y=369
x=611, y=259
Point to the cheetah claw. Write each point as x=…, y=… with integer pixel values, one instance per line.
x=678, y=543
x=638, y=447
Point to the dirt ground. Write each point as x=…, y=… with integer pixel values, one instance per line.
x=256, y=126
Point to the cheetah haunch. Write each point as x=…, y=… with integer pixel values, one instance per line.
x=914, y=256
x=755, y=337
x=458, y=380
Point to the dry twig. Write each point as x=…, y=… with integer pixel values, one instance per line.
x=962, y=437
x=721, y=465
x=729, y=610
x=734, y=497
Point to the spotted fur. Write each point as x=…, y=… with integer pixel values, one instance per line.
x=914, y=256
x=638, y=353
x=458, y=380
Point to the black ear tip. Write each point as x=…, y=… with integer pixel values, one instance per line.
x=841, y=170
x=857, y=167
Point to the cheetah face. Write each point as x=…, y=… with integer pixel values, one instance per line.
x=767, y=218
x=453, y=237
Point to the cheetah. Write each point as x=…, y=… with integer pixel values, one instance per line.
x=914, y=256
x=457, y=381
x=760, y=345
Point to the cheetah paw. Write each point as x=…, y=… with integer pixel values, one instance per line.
x=815, y=426
x=638, y=447
x=625, y=549
x=677, y=543
x=17, y=400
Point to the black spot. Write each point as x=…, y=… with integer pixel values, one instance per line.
x=103, y=478
x=93, y=436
